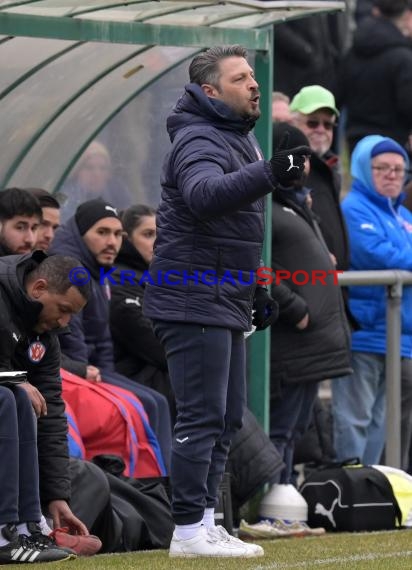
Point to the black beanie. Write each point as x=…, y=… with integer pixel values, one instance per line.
x=296, y=137
x=90, y=212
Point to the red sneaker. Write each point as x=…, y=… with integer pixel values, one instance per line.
x=82, y=545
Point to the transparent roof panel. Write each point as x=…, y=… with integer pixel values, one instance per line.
x=20, y=58
x=169, y=12
x=49, y=90
x=62, y=83
x=47, y=162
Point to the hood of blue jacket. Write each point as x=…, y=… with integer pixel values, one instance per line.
x=196, y=108
x=361, y=167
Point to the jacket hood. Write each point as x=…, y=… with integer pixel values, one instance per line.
x=13, y=269
x=361, y=169
x=195, y=108
x=68, y=241
x=129, y=255
x=377, y=35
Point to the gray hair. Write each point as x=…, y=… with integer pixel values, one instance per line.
x=204, y=68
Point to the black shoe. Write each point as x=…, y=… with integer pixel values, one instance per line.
x=43, y=541
x=21, y=549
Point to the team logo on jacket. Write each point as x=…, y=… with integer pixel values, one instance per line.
x=36, y=351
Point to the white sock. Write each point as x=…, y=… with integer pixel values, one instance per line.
x=44, y=526
x=3, y=541
x=22, y=529
x=187, y=531
x=209, y=518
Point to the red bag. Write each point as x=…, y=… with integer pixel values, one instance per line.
x=112, y=421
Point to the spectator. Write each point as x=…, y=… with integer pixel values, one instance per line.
x=36, y=299
x=137, y=352
x=315, y=114
x=211, y=221
x=50, y=220
x=380, y=231
x=94, y=234
x=93, y=177
x=381, y=56
x=280, y=107
x=20, y=217
x=308, y=51
x=310, y=341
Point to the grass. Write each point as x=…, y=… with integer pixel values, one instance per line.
x=361, y=551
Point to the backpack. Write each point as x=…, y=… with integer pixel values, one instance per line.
x=350, y=497
x=111, y=420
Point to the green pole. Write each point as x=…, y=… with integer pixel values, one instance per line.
x=259, y=343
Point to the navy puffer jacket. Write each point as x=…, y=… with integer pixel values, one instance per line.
x=210, y=219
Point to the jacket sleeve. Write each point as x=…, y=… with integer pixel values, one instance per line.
x=52, y=428
x=74, y=366
x=370, y=246
x=209, y=187
x=292, y=44
x=73, y=344
x=403, y=86
x=132, y=330
x=292, y=307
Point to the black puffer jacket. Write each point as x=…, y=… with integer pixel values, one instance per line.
x=322, y=350
x=307, y=52
x=138, y=354
x=324, y=181
x=18, y=315
x=375, y=82
x=211, y=217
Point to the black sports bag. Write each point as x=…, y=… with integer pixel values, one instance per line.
x=350, y=497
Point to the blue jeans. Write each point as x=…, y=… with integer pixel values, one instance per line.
x=358, y=407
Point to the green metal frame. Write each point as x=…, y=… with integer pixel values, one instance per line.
x=246, y=22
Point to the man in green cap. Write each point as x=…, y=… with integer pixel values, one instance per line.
x=315, y=114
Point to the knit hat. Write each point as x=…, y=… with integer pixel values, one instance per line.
x=312, y=98
x=392, y=8
x=388, y=145
x=90, y=212
x=296, y=137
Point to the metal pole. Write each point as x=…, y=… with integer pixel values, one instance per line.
x=393, y=375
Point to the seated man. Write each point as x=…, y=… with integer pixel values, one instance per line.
x=94, y=235
x=36, y=299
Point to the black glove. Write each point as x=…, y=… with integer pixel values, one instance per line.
x=266, y=310
x=288, y=163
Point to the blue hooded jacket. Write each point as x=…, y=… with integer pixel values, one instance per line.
x=211, y=217
x=380, y=234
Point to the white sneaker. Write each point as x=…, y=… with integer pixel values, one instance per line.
x=261, y=530
x=209, y=544
x=221, y=534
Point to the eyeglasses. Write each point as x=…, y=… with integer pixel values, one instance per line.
x=314, y=124
x=386, y=169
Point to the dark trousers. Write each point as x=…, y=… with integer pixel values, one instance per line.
x=207, y=371
x=290, y=415
x=19, y=471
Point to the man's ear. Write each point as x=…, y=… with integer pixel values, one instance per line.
x=209, y=90
x=36, y=289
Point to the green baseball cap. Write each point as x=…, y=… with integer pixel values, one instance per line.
x=311, y=98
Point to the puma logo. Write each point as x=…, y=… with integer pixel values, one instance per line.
x=321, y=510
x=182, y=440
x=290, y=157
x=129, y=301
